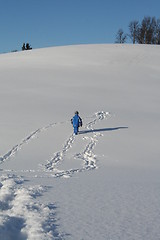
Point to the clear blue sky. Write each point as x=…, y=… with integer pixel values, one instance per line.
x=45, y=23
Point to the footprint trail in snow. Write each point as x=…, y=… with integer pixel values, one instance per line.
x=52, y=166
x=22, y=215
x=87, y=155
x=17, y=147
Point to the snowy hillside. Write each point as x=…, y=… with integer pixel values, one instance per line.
x=101, y=184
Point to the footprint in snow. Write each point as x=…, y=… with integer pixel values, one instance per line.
x=87, y=155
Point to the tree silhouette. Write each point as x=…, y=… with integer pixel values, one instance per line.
x=121, y=37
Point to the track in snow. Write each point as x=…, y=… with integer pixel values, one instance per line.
x=52, y=166
x=87, y=155
x=22, y=215
x=17, y=147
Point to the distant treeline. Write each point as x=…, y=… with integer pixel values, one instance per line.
x=145, y=32
x=26, y=46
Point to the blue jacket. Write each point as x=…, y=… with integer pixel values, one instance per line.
x=76, y=121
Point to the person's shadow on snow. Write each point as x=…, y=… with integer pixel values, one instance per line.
x=101, y=130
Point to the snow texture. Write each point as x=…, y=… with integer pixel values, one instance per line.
x=100, y=184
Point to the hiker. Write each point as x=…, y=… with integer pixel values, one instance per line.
x=76, y=122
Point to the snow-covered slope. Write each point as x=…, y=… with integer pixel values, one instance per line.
x=101, y=184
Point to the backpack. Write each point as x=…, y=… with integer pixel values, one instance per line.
x=80, y=122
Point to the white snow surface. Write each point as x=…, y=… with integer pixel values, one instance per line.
x=101, y=184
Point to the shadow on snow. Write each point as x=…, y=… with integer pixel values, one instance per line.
x=101, y=130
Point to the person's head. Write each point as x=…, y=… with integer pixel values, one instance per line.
x=76, y=112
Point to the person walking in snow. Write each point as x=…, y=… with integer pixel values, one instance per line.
x=76, y=122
